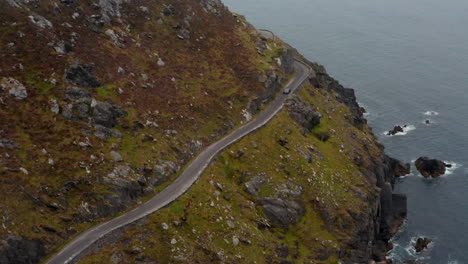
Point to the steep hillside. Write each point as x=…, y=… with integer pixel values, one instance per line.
x=101, y=104
x=313, y=186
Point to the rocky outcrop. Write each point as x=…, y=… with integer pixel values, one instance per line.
x=344, y=95
x=82, y=75
x=302, y=112
x=84, y=107
x=282, y=212
x=396, y=130
x=401, y=168
x=422, y=243
x=253, y=186
x=430, y=167
x=19, y=250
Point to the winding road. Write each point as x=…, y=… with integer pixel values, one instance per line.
x=79, y=246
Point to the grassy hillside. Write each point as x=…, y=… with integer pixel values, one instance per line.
x=218, y=221
x=101, y=105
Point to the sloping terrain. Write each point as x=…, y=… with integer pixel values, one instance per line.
x=101, y=104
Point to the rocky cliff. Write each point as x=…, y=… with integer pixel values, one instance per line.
x=102, y=103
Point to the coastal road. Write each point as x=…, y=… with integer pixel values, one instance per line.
x=79, y=246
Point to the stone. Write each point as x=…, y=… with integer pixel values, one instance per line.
x=106, y=114
x=302, y=112
x=235, y=241
x=253, y=186
x=165, y=226
x=8, y=144
x=430, y=167
x=396, y=130
x=422, y=243
x=15, y=88
x=282, y=212
x=82, y=75
x=103, y=132
x=54, y=106
x=173, y=241
x=21, y=250
x=116, y=156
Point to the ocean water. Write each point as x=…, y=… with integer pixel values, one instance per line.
x=408, y=62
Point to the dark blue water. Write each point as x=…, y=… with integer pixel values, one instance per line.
x=404, y=58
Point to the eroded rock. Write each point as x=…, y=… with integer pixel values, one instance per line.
x=430, y=167
x=302, y=112
x=282, y=212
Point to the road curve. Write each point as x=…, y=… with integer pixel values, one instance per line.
x=83, y=242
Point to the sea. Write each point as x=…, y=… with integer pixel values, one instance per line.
x=408, y=62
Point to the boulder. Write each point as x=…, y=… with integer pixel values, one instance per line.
x=282, y=212
x=253, y=186
x=302, y=112
x=396, y=130
x=106, y=114
x=430, y=167
x=8, y=144
x=82, y=75
x=103, y=132
x=422, y=243
x=18, y=250
x=14, y=87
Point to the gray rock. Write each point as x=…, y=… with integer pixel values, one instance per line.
x=252, y=187
x=82, y=75
x=106, y=114
x=54, y=106
x=282, y=212
x=8, y=144
x=18, y=250
x=78, y=95
x=40, y=21
x=103, y=132
x=116, y=156
x=303, y=112
x=15, y=88
x=163, y=171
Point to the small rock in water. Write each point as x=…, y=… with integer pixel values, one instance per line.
x=422, y=243
x=396, y=130
x=431, y=167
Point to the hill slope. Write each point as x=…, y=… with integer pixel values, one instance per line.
x=103, y=103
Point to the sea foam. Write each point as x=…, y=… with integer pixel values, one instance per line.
x=431, y=113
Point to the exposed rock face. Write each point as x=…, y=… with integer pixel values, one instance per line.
x=302, y=112
x=107, y=114
x=282, y=212
x=252, y=187
x=430, y=167
x=401, y=168
x=84, y=107
x=21, y=251
x=82, y=75
x=422, y=243
x=345, y=95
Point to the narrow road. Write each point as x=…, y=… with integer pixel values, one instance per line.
x=83, y=242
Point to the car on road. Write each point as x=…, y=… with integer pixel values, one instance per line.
x=287, y=91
